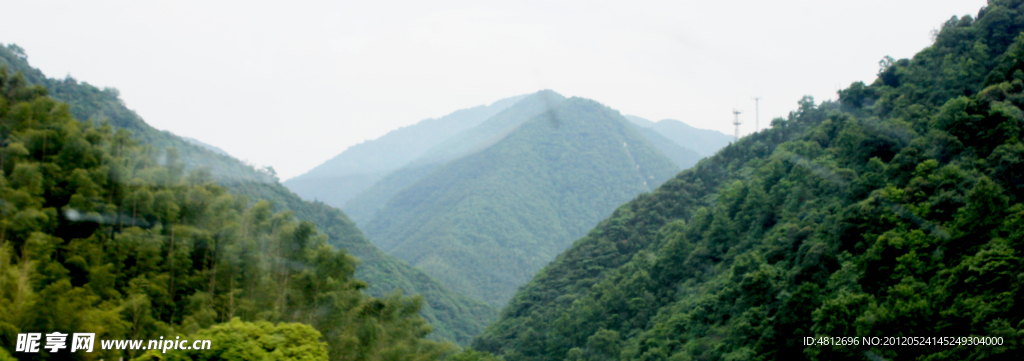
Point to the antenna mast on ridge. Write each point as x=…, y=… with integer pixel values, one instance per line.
x=757, y=114
x=737, y=123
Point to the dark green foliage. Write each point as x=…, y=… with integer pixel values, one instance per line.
x=484, y=223
x=896, y=212
x=454, y=316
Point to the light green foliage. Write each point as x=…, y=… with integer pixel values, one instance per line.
x=239, y=341
x=96, y=236
x=894, y=212
x=5, y=355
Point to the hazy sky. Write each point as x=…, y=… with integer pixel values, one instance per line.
x=290, y=85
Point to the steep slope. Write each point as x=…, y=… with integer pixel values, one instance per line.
x=703, y=141
x=681, y=156
x=895, y=212
x=484, y=223
x=364, y=206
x=454, y=316
x=360, y=166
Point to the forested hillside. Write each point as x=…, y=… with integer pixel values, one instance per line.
x=895, y=211
x=363, y=207
x=485, y=223
x=360, y=166
x=97, y=236
x=454, y=316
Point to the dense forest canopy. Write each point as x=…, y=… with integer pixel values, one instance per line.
x=895, y=211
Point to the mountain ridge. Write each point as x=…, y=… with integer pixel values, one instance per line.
x=348, y=173
x=540, y=185
x=364, y=206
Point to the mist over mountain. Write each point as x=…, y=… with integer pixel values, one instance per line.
x=393, y=207
x=363, y=207
x=484, y=223
x=360, y=166
x=681, y=156
x=704, y=141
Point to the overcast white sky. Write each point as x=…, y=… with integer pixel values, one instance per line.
x=291, y=85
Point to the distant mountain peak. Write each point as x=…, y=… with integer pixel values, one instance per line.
x=705, y=141
x=360, y=166
x=520, y=199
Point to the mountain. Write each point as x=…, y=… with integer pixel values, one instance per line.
x=704, y=141
x=485, y=223
x=454, y=316
x=681, y=156
x=102, y=235
x=893, y=213
x=364, y=206
x=360, y=166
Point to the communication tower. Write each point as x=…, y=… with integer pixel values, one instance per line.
x=737, y=123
